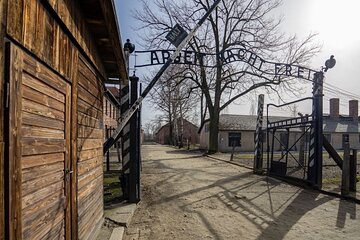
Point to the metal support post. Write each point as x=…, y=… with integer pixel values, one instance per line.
x=134, y=183
x=345, y=177
x=353, y=162
x=108, y=161
x=258, y=158
x=125, y=143
x=316, y=135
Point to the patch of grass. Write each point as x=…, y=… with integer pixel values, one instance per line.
x=336, y=180
x=331, y=180
x=112, y=188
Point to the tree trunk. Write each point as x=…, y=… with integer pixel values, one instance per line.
x=214, y=133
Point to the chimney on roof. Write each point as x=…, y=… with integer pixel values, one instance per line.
x=334, y=108
x=353, y=109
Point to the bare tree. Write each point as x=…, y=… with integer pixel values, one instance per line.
x=173, y=100
x=234, y=23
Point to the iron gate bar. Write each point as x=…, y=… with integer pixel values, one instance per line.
x=290, y=122
x=287, y=146
x=293, y=146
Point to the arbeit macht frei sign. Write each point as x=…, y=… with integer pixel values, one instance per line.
x=159, y=57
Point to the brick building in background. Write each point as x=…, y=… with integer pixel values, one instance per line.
x=190, y=133
x=111, y=108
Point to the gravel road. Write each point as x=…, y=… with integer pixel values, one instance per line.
x=188, y=196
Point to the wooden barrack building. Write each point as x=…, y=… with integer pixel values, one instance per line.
x=55, y=57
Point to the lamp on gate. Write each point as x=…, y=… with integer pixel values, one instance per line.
x=128, y=49
x=128, y=46
x=330, y=63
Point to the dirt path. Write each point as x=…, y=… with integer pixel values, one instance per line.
x=187, y=196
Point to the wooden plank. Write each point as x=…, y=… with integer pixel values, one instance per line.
x=40, y=121
x=86, y=120
x=95, y=231
x=49, y=39
x=91, y=109
x=56, y=46
x=44, y=74
x=15, y=19
x=39, y=132
x=85, y=144
x=44, y=222
x=41, y=171
x=42, y=110
x=39, y=160
x=89, y=132
x=68, y=163
x=39, y=31
x=89, y=189
x=86, y=228
x=84, y=179
x=57, y=233
x=32, y=212
x=15, y=121
x=88, y=97
x=37, y=85
x=86, y=219
x=43, y=193
x=88, y=154
x=88, y=165
x=45, y=232
x=3, y=12
x=91, y=87
x=30, y=146
x=65, y=48
x=29, y=24
x=38, y=97
x=74, y=150
x=41, y=182
x=87, y=70
x=89, y=202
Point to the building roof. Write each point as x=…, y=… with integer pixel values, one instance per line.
x=232, y=122
x=167, y=124
x=115, y=91
x=112, y=98
x=102, y=21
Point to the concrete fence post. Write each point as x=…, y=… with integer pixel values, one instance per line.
x=353, y=170
x=345, y=178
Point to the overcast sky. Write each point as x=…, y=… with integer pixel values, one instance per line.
x=337, y=23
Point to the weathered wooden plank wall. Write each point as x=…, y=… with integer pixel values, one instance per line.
x=3, y=9
x=3, y=20
x=30, y=24
x=89, y=145
x=40, y=148
x=58, y=120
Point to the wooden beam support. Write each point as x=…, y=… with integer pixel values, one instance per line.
x=3, y=18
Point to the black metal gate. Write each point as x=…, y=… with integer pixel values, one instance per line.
x=288, y=145
x=294, y=145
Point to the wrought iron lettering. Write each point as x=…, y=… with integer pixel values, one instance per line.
x=228, y=56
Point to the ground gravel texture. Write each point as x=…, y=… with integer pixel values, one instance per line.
x=188, y=196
